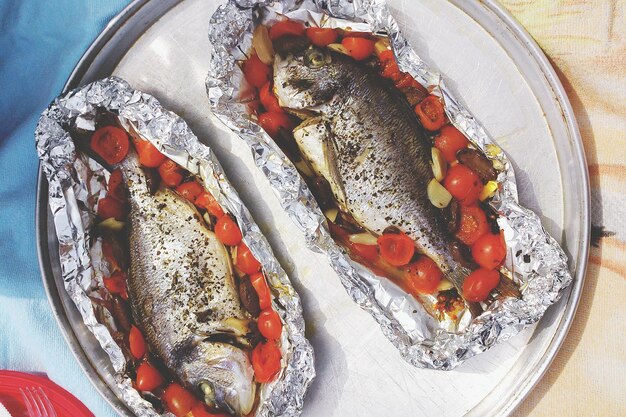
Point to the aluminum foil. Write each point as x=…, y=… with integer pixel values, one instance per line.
x=75, y=184
x=534, y=261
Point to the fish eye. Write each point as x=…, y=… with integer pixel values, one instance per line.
x=316, y=58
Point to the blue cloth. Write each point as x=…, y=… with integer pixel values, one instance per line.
x=40, y=42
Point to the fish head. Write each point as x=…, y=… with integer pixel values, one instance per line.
x=222, y=373
x=307, y=79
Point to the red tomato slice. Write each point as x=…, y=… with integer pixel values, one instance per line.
x=256, y=72
x=464, y=185
x=116, y=284
x=322, y=36
x=286, y=27
x=272, y=122
x=358, y=48
x=148, y=378
x=110, y=143
x=406, y=80
x=137, y=343
x=386, y=55
x=266, y=361
x=206, y=201
x=489, y=251
x=171, y=173
x=190, y=190
x=449, y=141
x=367, y=252
x=268, y=99
x=472, y=225
x=396, y=249
x=115, y=187
x=391, y=70
x=149, y=155
x=178, y=400
x=199, y=410
x=227, y=231
x=246, y=262
x=479, y=284
x=110, y=207
x=431, y=113
x=423, y=276
x=269, y=324
x=262, y=290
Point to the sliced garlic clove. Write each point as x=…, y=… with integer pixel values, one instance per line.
x=337, y=47
x=488, y=190
x=439, y=164
x=437, y=194
x=331, y=214
x=262, y=44
x=112, y=224
x=364, y=239
x=445, y=285
x=381, y=46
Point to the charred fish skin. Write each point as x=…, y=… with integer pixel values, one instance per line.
x=183, y=295
x=373, y=147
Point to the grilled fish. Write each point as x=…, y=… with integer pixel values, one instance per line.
x=183, y=295
x=362, y=136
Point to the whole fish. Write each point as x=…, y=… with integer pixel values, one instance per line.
x=361, y=134
x=183, y=295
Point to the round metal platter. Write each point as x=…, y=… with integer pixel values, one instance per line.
x=503, y=78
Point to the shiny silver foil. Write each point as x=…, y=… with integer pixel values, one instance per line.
x=75, y=184
x=534, y=261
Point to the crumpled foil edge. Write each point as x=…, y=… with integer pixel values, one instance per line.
x=537, y=262
x=73, y=187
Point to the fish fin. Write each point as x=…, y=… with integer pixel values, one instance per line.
x=330, y=156
x=457, y=276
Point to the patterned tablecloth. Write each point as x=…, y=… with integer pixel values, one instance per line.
x=586, y=42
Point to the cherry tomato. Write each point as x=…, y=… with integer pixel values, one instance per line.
x=479, y=284
x=322, y=36
x=206, y=201
x=148, y=378
x=406, y=80
x=489, y=251
x=423, y=276
x=110, y=143
x=115, y=283
x=199, y=410
x=286, y=27
x=266, y=361
x=110, y=207
x=262, y=290
x=178, y=400
x=386, y=55
x=396, y=249
x=463, y=184
x=431, y=113
x=137, y=343
x=109, y=254
x=268, y=99
x=227, y=231
x=368, y=252
x=449, y=141
x=256, y=72
x=191, y=190
x=269, y=324
x=246, y=262
x=115, y=187
x=149, y=155
x=272, y=121
x=472, y=224
x=171, y=173
x=358, y=48
x=391, y=70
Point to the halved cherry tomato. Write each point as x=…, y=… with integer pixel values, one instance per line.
x=148, y=378
x=256, y=72
x=322, y=36
x=268, y=99
x=479, y=284
x=463, y=184
x=358, y=48
x=266, y=361
x=149, y=155
x=406, y=80
x=137, y=343
x=472, y=224
x=286, y=27
x=489, y=251
x=191, y=190
x=386, y=55
x=269, y=324
x=423, y=276
x=262, y=290
x=227, y=231
x=110, y=207
x=396, y=248
x=449, y=141
x=206, y=201
x=171, y=173
x=111, y=143
x=368, y=252
x=246, y=262
x=178, y=400
x=115, y=187
x=116, y=284
x=391, y=70
x=272, y=121
x=199, y=410
x=431, y=113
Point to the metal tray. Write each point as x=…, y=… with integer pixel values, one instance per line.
x=505, y=80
